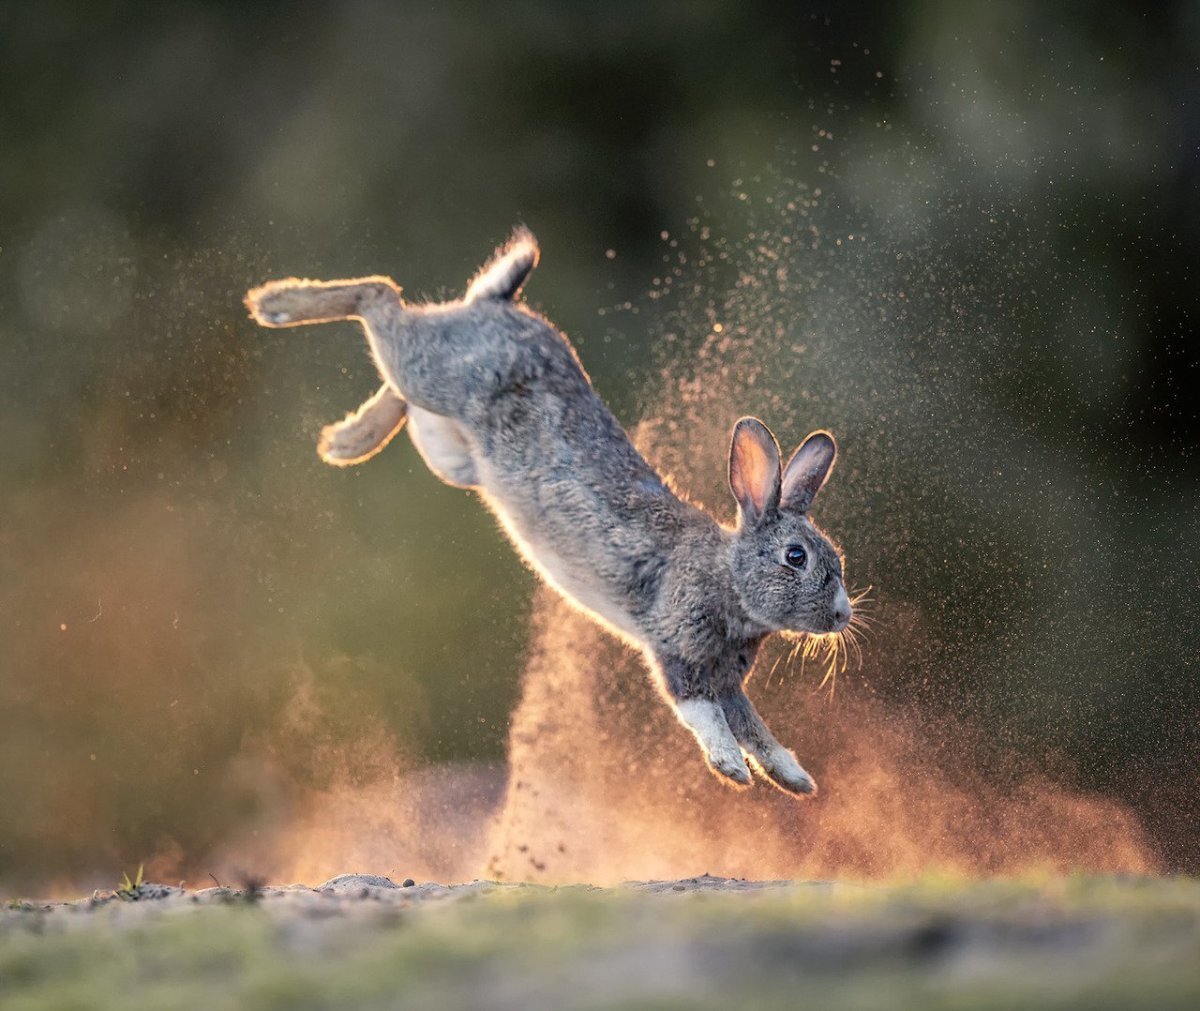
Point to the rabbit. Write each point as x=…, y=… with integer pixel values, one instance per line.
x=496, y=400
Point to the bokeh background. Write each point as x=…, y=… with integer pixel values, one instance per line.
x=964, y=236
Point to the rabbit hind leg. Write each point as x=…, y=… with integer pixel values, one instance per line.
x=771, y=758
x=293, y=302
x=361, y=435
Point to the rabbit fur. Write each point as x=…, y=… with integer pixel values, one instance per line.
x=496, y=400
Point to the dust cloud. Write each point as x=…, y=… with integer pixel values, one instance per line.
x=604, y=786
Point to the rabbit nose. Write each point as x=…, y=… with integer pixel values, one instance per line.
x=841, y=611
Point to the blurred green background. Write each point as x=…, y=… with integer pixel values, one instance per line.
x=964, y=236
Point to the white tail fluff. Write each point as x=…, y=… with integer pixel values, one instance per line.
x=503, y=275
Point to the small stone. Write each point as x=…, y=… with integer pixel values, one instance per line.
x=408, y=883
x=354, y=883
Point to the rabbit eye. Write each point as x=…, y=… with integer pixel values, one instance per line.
x=795, y=556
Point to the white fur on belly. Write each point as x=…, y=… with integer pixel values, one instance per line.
x=442, y=446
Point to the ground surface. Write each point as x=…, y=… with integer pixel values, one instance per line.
x=363, y=942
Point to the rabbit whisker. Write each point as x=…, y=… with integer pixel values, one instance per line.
x=850, y=639
x=861, y=628
x=861, y=596
x=774, y=667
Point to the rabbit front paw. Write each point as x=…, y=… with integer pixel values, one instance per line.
x=706, y=721
x=728, y=762
x=780, y=766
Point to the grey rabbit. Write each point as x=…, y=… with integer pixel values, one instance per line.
x=497, y=400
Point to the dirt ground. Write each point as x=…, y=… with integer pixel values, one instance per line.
x=359, y=941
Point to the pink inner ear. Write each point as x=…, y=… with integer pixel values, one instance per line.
x=757, y=477
x=755, y=466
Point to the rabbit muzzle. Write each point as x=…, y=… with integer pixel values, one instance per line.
x=840, y=612
x=829, y=618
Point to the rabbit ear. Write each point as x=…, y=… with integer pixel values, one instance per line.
x=808, y=470
x=502, y=276
x=753, y=469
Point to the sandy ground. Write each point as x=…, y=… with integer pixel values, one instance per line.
x=359, y=941
x=347, y=895
x=340, y=903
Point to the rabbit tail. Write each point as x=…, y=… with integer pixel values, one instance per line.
x=502, y=276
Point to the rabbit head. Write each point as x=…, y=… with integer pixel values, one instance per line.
x=786, y=573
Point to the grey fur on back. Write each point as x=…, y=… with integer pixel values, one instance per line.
x=497, y=400
x=556, y=461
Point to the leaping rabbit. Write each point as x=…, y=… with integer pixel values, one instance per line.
x=497, y=400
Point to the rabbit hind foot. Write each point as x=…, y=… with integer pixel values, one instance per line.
x=359, y=436
x=294, y=302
